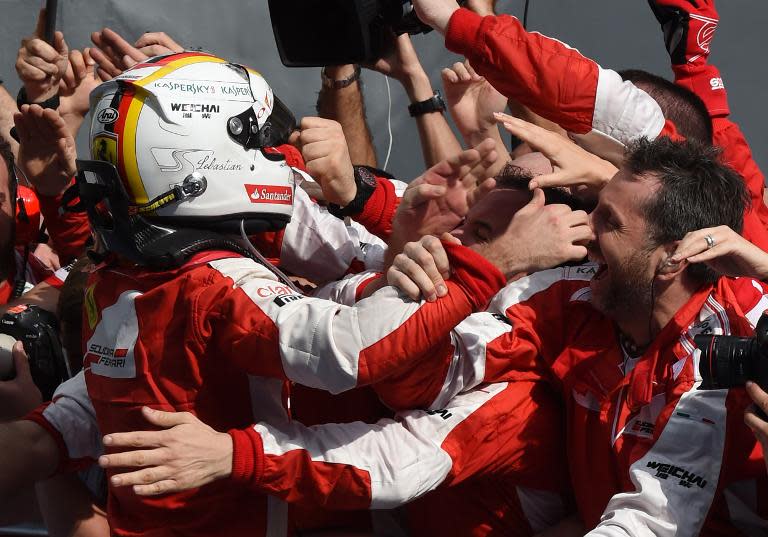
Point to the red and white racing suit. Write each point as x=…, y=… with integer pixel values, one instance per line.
x=503, y=443
x=560, y=84
x=220, y=337
x=649, y=453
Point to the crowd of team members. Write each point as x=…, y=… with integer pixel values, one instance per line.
x=502, y=346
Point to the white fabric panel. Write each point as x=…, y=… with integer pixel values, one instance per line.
x=403, y=458
x=320, y=341
x=675, y=481
x=72, y=414
x=623, y=111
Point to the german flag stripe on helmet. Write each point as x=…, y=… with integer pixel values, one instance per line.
x=130, y=110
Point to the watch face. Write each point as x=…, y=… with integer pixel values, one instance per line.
x=366, y=177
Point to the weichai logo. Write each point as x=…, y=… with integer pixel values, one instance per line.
x=270, y=194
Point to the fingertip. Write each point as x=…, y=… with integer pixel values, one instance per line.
x=107, y=440
x=442, y=290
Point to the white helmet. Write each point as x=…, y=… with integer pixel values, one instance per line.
x=190, y=137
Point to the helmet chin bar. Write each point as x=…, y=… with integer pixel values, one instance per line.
x=125, y=232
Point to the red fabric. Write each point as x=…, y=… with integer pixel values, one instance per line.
x=541, y=73
x=608, y=428
x=69, y=231
x=66, y=464
x=364, y=285
x=379, y=210
x=27, y=227
x=247, y=456
x=705, y=81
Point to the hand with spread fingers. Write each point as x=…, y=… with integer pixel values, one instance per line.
x=437, y=201
x=572, y=165
x=422, y=268
x=723, y=250
x=114, y=54
x=40, y=65
x=75, y=88
x=47, y=151
x=157, y=44
x=471, y=100
x=184, y=454
x=754, y=420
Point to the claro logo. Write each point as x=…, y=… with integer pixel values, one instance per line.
x=282, y=195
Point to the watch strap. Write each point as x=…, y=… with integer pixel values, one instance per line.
x=331, y=83
x=433, y=104
x=366, y=182
x=22, y=98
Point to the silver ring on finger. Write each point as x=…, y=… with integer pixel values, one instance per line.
x=710, y=241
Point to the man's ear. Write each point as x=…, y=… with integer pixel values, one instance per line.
x=668, y=270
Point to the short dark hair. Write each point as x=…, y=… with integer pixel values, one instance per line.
x=697, y=191
x=678, y=104
x=517, y=178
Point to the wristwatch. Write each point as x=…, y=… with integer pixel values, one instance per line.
x=330, y=83
x=22, y=98
x=366, y=184
x=433, y=104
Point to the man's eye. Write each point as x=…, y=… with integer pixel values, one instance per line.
x=481, y=234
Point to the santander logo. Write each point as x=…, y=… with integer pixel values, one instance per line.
x=282, y=195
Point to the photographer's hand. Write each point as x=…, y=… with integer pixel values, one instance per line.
x=19, y=396
x=758, y=424
x=185, y=454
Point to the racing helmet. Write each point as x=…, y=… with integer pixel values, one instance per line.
x=185, y=141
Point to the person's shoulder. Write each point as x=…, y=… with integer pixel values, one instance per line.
x=749, y=295
x=571, y=283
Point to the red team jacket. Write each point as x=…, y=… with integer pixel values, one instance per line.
x=220, y=337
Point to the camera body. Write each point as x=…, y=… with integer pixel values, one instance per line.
x=315, y=33
x=38, y=331
x=730, y=361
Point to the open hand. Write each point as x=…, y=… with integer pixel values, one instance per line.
x=185, y=454
x=47, y=150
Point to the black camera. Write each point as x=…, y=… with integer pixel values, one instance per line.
x=314, y=33
x=38, y=330
x=730, y=361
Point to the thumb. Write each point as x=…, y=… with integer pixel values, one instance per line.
x=537, y=201
x=20, y=361
x=450, y=239
x=293, y=139
x=165, y=419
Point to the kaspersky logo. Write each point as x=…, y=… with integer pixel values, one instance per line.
x=282, y=195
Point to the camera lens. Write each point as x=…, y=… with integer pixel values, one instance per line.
x=726, y=361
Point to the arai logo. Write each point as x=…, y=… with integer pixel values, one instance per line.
x=107, y=115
